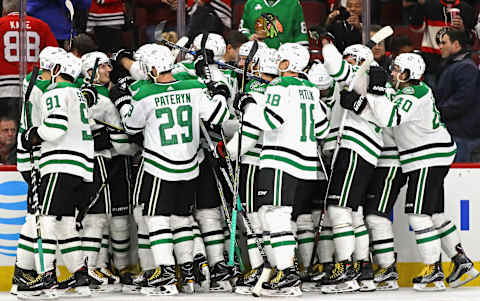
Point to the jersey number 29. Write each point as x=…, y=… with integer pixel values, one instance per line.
x=183, y=119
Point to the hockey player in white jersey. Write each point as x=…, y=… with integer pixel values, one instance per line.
x=292, y=121
x=66, y=164
x=426, y=151
x=170, y=162
x=360, y=146
x=27, y=263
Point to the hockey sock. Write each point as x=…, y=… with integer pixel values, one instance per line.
x=362, y=240
x=70, y=244
x=144, y=251
x=381, y=230
x=49, y=229
x=93, y=225
x=27, y=244
x=102, y=257
x=182, y=238
x=448, y=233
x=254, y=255
x=281, y=236
x=343, y=235
x=198, y=245
x=120, y=235
x=161, y=239
x=305, y=238
x=428, y=241
x=211, y=227
x=326, y=247
x=266, y=235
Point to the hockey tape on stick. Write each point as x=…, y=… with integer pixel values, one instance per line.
x=69, y=6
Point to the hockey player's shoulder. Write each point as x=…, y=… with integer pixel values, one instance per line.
x=291, y=81
x=415, y=92
x=149, y=89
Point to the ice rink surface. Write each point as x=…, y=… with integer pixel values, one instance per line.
x=404, y=294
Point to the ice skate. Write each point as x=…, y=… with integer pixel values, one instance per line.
x=463, y=271
x=113, y=279
x=75, y=286
x=21, y=276
x=430, y=278
x=246, y=282
x=387, y=278
x=366, y=278
x=220, y=277
x=284, y=283
x=341, y=280
x=188, y=278
x=318, y=273
x=43, y=287
x=162, y=282
x=132, y=284
x=99, y=282
x=202, y=273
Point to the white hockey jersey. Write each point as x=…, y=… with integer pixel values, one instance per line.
x=422, y=140
x=65, y=129
x=292, y=121
x=168, y=114
x=389, y=155
x=363, y=137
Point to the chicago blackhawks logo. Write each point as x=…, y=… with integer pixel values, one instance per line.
x=269, y=24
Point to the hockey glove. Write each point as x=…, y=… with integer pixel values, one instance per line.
x=120, y=96
x=352, y=101
x=241, y=101
x=101, y=139
x=123, y=53
x=218, y=88
x=90, y=93
x=30, y=138
x=201, y=63
x=378, y=79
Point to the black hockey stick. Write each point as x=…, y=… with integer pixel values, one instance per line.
x=33, y=171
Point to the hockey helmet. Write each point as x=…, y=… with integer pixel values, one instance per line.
x=69, y=64
x=159, y=57
x=296, y=54
x=267, y=61
x=360, y=53
x=48, y=57
x=88, y=61
x=215, y=42
x=411, y=62
x=319, y=76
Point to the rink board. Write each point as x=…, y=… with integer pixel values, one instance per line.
x=462, y=206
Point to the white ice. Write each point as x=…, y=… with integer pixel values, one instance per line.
x=404, y=294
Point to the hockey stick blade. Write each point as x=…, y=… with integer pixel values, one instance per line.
x=379, y=36
x=257, y=290
x=94, y=70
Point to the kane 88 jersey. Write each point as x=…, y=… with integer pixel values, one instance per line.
x=169, y=116
x=292, y=120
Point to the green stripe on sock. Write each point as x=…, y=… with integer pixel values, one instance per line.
x=443, y=234
x=427, y=239
x=284, y=243
x=306, y=240
x=214, y=242
x=342, y=234
x=365, y=232
x=381, y=251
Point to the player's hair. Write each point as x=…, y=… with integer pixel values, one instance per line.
x=235, y=38
x=10, y=6
x=83, y=43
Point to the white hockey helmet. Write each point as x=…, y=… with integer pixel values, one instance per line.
x=359, y=52
x=88, y=61
x=69, y=64
x=319, y=76
x=245, y=48
x=159, y=57
x=143, y=51
x=296, y=54
x=412, y=62
x=49, y=55
x=215, y=42
x=267, y=61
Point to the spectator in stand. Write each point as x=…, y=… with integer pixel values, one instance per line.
x=274, y=22
x=234, y=39
x=81, y=44
x=150, y=13
x=457, y=94
x=56, y=15
x=433, y=18
x=105, y=20
x=39, y=36
x=400, y=44
x=209, y=15
x=379, y=52
x=8, y=140
x=345, y=24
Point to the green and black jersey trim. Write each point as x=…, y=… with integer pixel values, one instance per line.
x=74, y=158
x=159, y=158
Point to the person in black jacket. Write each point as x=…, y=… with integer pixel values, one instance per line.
x=457, y=94
x=345, y=24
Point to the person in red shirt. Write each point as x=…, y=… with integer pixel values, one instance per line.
x=38, y=36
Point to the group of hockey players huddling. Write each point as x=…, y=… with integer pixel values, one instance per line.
x=313, y=207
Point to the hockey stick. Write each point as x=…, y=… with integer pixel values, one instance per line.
x=378, y=37
x=221, y=64
x=33, y=170
x=69, y=6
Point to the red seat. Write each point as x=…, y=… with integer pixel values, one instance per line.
x=391, y=13
x=415, y=37
x=314, y=12
x=237, y=12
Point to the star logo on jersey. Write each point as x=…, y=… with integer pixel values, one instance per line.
x=269, y=24
x=408, y=90
x=258, y=7
x=170, y=88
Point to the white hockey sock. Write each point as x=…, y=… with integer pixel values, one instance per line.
x=161, y=239
x=254, y=255
x=326, y=247
x=266, y=235
x=305, y=238
x=426, y=235
x=102, y=257
x=70, y=244
x=182, y=238
x=381, y=230
x=48, y=227
x=362, y=240
x=448, y=233
x=198, y=245
x=343, y=235
x=211, y=227
x=120, y=235
x=281, y=236
x=27, y=244
x=144, y=251
x=93, y=225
